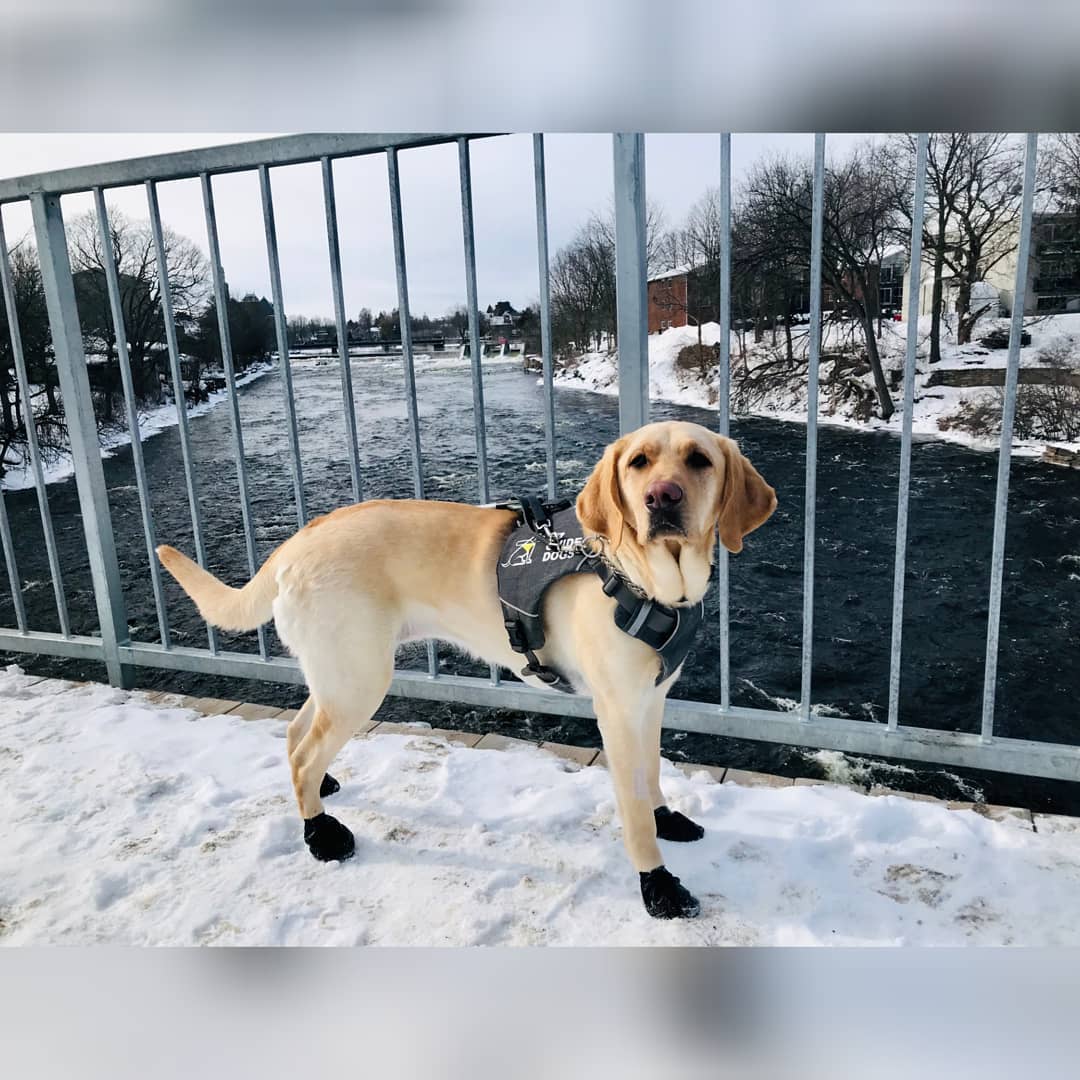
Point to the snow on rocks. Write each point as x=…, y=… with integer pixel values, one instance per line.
x=597, y=371
x=18, y=474
x=137, y=823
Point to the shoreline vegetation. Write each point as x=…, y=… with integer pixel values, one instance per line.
x=957, y=400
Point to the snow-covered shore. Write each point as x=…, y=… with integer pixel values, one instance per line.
x=935, y=406
x=133, y=823
x=18, y=475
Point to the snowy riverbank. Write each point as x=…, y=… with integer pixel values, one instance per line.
x=133, y=823
x=936, y=406
x=18, y=474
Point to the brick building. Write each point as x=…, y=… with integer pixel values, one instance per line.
x=680, y=297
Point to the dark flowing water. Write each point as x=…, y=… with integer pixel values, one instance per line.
x=947, y=574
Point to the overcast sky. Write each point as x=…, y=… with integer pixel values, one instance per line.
x=579, y=182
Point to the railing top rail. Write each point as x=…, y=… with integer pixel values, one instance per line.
x=232, y=157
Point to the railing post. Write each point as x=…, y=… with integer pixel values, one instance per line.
x=816, y=239
x=82, y=432
x=631, y=281
x=724, y=405
x=918, y=209
x=545, y=313
x=1008, y=416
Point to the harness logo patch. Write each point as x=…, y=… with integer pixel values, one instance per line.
x=556, y=548
x=522, y=553
x=560, y=547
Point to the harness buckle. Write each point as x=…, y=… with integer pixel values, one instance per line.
x=535, y=514
x=611, y=586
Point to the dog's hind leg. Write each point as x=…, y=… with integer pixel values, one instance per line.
x=331, y=727
x=326, y=837
x=298, y=728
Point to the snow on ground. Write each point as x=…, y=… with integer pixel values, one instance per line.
x=153, y=421
x=135, y=823
x=597, y=371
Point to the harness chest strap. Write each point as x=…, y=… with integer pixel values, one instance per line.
x=545, y=545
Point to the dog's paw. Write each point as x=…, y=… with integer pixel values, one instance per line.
x=329, y=786
x=327, y=839
x=665, y=897
x=671, y=825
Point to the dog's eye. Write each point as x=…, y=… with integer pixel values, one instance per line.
x=698, y=460
x=638, y=462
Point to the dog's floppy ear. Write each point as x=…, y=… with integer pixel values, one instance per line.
x=599, y=506
x=746, y=501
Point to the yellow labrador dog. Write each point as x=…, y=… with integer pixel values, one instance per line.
x=351, y=586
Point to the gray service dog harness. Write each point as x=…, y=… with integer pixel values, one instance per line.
x=547, y=543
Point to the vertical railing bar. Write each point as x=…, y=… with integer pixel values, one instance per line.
x=1008, y=414
x=476, y=357
x=545, y=313
x=58, y=285
x=348, y=400
x=469, y=235
x=281, y=328
x=915, y=269
x=34, y=450
x=221, y=299
x=724, y=404
x=397, y=227
x=12, y=566
x=112, y=283
x=631, y=280
x=10, y=560
x=817, y=214
x=169, y=318
x=405, y=320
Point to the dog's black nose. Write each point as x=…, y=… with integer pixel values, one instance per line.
x=662, y=494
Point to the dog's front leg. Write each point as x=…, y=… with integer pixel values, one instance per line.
x=670, y=824
x=625, y=738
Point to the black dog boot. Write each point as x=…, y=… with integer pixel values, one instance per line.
x=329, y=786
x=665, y=897
x=671, y=825
x=327, y=839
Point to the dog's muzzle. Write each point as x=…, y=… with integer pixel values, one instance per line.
x=666, y=521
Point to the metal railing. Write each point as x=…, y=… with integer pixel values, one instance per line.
x=122, y=656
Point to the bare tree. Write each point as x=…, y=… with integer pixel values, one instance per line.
x=670, y=251
x=985, y=207
x=973, y=195
x=859, y=221
x=583, y=288
x=770, y=269
x=942, y=167
x=135, y=258
x=602, y=226
x=1061, y=171
x=458, y=318
x=701, y=244
x=33, y=321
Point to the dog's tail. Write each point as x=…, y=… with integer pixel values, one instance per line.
x=220, y=604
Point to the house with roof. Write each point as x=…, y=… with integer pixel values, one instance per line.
x=1053, y=272
x=502, y=314
x=681, y=297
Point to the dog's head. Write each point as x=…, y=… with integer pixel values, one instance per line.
x=669, y=487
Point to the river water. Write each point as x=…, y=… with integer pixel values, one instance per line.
x=950, y=533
